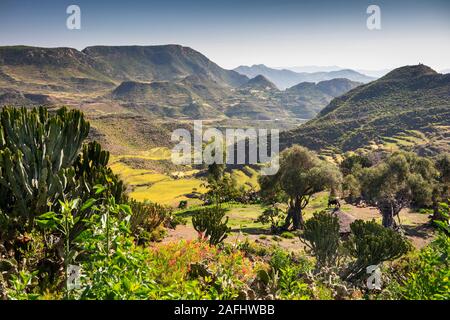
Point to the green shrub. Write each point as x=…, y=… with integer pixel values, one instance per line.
x=146, y=218
x=286, y=272
x=444, y=214
x=182, y=204
x=372, y=244
x=37, y=150
x=429, y=275
x=273, y=215
x=322, y=237
x=91, y=170
x=211, y=224
x=287, y=235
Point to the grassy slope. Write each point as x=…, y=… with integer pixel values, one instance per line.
x=408, y=102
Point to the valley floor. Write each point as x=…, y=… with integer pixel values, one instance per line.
x=242, y=220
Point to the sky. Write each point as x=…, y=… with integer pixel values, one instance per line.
x=245, y=32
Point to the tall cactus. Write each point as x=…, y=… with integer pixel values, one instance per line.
x=91, y=169
x=37, y=150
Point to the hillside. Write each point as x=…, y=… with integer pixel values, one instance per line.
x=260, y=83
x=100, y=67
x=163, y=92
x=409, y=107
x=51, y=69
x=306, y=99
x=284, y=78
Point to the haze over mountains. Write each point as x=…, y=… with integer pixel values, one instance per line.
x=285, y=78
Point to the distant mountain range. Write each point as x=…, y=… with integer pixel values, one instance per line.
x=408, y=107
x=169, y=81
x=310, y=69
x=287, y=78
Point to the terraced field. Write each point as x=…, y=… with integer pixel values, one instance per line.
x=147, y=179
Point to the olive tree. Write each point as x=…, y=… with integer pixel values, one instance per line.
x=404, y=179
x=443, y=166
x=441, y=192
x=301, y=174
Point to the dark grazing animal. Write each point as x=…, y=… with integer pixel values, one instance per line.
x=334, y=202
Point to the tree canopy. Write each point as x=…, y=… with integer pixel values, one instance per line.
x=402, y=180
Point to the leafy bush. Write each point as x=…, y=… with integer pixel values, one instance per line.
x=429, y=274
x=372, y=244
x=273, y=215
x=217, y=274
x=287, y=235
x=146, y=218
x=322, y=237
x=182, y=204
x=444, y=213
x=286, y=274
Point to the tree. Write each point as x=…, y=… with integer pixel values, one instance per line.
x=351, y=188
x=353, y=163
x=404, y=179
x=222, y=187
x=301, y=174
x=442, y=190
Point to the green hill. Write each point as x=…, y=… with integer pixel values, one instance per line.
x=259, y=83
x=306, y=99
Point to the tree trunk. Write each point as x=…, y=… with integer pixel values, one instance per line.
x=437, y=216
x=295, y=214
x=389, y=212
x=388, y=219
x=289, y=217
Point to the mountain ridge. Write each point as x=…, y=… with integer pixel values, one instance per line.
x=285, y=78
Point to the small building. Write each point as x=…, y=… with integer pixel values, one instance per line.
x=345, y=220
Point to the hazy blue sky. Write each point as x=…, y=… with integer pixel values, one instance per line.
x=232, y=32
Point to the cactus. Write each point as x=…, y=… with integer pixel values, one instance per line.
x=91, y=169
x=146, y=218
x=372, y=244
x=37, y=150
x=321, y=236
x=210, y=223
